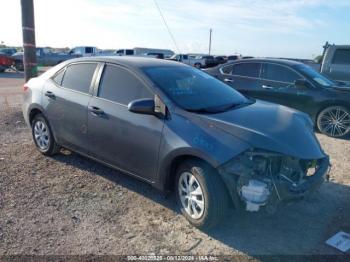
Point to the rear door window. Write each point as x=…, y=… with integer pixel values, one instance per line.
x=120, y=85
x=78, y=77
x=341, y=57
x=227, y=69
x=246, y=69
x=280, y=73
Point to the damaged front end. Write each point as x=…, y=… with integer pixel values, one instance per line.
x=257, y=178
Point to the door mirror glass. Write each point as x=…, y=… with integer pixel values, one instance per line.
x=301, y=84
x=142, y=106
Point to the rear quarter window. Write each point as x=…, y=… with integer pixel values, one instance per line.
x=58, y=77
x=227, y=69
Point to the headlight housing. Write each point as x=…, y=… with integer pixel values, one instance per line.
x=251, y=162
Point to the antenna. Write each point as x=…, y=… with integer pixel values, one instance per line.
x=166, y=25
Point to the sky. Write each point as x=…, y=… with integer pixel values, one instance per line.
x=272, y=28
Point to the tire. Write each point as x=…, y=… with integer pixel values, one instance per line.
x=42, y=136
x=19, y=66
x=334, y=121
x=197, y=65
x=214, y=198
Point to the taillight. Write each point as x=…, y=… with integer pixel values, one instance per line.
x=25, y=87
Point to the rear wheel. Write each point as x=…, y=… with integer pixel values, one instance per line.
x=201, y=194
x=43, y=137
x=334, y=121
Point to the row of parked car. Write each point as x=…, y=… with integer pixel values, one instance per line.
x=47, y=57
x=324, y=97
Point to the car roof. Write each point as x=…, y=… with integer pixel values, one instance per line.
x=272, y=60
x=129, y=61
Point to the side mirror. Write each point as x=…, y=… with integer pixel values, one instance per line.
x=301, y=84
x=142, y=106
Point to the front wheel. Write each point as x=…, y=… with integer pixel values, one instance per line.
x=43, y=137
x=334, y=121
x=201, y=194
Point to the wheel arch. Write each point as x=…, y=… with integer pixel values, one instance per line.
x=169, y=182
x=33, y=110
x=37, y=109
x=170, y=163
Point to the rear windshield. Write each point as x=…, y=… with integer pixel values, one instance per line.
x=316, y=76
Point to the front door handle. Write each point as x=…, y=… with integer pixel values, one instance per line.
x=267, y=87
x=96, y=110
x=50, y=94
x=228, y=80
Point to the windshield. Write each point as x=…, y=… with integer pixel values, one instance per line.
x=194, y=90
x=316, y=76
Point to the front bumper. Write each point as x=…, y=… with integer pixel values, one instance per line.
x=309, y=185
x=282, y=190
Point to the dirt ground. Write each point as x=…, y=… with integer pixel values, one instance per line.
x=68, y=205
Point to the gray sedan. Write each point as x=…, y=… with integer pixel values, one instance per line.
x=178, y=129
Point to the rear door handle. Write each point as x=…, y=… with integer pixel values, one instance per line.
x=267, y=87
x=96, y=110
x=228, y=80
x=50, y=94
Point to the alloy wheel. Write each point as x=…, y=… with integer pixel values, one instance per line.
x=191, y=195
x=334, y=121
x=41, y=135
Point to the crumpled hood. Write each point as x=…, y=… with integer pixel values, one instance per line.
x=271, y=127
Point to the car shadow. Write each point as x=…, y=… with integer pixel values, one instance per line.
x=299, y=228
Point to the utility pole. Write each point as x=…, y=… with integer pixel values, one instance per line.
x=28, y=31
x=210, y=40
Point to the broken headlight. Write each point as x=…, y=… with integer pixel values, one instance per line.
x=252, y=162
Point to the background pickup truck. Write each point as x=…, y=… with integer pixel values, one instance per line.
x=336, y=62
x=44, y=57
x=189, y=60
x=79, y=51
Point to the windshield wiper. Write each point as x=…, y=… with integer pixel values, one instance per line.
x=216, y=109
x=200, y=110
